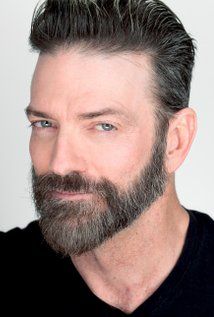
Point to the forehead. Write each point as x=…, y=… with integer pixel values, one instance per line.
x=92, y=80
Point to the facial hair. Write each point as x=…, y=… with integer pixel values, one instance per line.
x=78, y=226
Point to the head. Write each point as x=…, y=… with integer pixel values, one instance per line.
x=109, y=107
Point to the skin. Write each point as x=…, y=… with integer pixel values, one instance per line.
x=69, y=84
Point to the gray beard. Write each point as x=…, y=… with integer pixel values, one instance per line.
x=76, y=227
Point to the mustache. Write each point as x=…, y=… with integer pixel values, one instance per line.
x=73, y=182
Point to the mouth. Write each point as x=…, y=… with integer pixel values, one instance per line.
x=70, y=195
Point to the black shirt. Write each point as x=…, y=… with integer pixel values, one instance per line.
x=35, y=281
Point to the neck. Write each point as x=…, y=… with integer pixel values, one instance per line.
x=129, y=267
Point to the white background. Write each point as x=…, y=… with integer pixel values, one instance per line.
x=194, y=178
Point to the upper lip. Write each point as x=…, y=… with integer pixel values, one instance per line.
x=69, y=193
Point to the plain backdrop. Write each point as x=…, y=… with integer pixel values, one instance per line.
x=194, y=178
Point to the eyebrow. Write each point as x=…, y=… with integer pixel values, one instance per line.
x=99, y=113
x=29, y=111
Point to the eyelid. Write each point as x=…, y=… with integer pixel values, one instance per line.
x=103, y=123
x=115, y=124
x=32, y=124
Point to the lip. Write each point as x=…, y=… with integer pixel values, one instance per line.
x=70, y=195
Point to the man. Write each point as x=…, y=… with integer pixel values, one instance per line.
x=110, y=126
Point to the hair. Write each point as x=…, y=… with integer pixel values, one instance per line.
x=123, y=26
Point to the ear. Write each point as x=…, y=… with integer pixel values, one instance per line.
x=181, y=133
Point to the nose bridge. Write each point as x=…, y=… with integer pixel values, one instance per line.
x=66, y=154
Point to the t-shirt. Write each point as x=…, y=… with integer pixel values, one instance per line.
x=36, y=281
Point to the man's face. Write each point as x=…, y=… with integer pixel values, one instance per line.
x=97, y=139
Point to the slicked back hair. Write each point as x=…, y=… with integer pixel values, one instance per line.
x=123, y=26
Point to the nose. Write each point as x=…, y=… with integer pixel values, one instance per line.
x=67, y=155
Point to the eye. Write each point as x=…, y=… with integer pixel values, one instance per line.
x=41, y=124
x=105, y=127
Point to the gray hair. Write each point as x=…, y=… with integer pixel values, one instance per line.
x=115, y=26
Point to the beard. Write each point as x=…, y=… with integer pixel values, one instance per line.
x=79, y=226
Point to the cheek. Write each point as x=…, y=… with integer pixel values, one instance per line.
x=40, y=154
x=122, y=161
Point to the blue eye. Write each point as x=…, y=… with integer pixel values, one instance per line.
x=105, y=127
x=42, y=123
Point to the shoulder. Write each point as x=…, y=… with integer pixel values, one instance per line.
x=17, y=231
x=26, y=241
x=27, y=265
x=205, y=222
x=203, y=257
x=17, y=234
x=204, y=225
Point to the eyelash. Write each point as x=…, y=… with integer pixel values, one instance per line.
x=32, y=125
